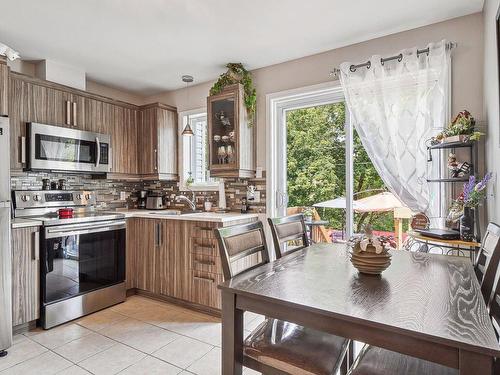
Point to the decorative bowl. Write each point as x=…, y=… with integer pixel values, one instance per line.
x=368, y=261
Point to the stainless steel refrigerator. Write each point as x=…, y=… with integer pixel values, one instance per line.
x=5, y=252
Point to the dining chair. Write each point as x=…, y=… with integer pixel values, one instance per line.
x=286, y=229
x=276, y=346
x=487, y=260
x=373, y=360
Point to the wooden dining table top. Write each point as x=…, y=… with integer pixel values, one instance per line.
x=435, y=297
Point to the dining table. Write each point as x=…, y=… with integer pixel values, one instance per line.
x=423, y=305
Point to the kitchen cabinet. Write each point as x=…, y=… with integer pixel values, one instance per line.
x=4, y=87
x=176, y=258
x=143, y=241
x=231, y=139
x=25, y=275
x=157, y=142
x=123, y=130
x=33, y=100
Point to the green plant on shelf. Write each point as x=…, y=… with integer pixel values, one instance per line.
x=462, y=124
x=236, y=73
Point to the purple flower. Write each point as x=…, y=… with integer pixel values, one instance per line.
x=469, y=187
x=482, y=184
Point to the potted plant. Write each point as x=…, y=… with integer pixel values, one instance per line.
x=308, y=214
x=472, y=195
x=461, y=129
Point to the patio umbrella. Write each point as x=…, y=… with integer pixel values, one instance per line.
x=381, y=202
x=339, y=202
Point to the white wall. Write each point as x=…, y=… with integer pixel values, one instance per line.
x=467, y=80
x=491, y=106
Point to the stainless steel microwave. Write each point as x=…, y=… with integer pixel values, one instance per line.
x=62, y=149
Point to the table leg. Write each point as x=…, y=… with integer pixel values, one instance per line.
x=471, y=363
x=232, y=335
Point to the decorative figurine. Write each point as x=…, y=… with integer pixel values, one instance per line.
x=457, y=169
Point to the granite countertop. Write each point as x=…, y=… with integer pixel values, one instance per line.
x=25, y=223
x=201, y=216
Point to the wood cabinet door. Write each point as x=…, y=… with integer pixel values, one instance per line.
x=146, y=246
x=147, y=136
x=94, y=115
x=19, y=113
x=167, y=142
x=123, y=133
x=25, y=275
x=131, y=253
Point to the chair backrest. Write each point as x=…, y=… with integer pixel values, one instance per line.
x=238, y=243
x=285, y=229
x=487, y=260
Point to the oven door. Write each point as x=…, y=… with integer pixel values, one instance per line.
x=63, y=149
x=80, y=258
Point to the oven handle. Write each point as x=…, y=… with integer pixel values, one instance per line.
x=76, y=229
x=98, y=145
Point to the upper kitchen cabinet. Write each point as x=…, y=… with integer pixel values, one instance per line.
x=4, y=87
x=157, y=142
x=123, y=130
x=231, y=139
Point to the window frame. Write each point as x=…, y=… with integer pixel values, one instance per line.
x=185, y=153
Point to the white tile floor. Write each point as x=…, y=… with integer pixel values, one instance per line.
x=140, y=336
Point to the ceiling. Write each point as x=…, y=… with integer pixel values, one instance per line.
x=145, y=46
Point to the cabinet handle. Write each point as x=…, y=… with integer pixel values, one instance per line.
x=36, y=245
x=23, y=150
x=156, y=159
x=68, y=112
x=157, y=235
x=74, y=114
x=204, y=279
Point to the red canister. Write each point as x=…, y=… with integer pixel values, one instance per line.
x=65, y=213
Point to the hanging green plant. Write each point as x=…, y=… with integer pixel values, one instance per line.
x=236, y=73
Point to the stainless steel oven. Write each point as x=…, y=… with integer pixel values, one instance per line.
x=62, y=149
x=83, y=269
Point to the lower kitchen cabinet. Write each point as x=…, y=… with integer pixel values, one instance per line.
x=175, y=258
x=25, y=275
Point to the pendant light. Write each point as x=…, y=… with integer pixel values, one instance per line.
x=187, y=79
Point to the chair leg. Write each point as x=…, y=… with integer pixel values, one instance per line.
x=350, y=352
x=344, y=367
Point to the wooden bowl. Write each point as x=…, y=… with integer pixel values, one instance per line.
x=369, y=262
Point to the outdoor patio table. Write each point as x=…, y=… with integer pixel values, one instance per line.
x=424, y=305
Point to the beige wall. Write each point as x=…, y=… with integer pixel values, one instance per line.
x=110, y=92
x=491, y=106
x=467, y=70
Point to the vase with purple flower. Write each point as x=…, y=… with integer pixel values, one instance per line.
x=472, y=195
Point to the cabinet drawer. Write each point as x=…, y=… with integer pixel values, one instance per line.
x=205, y=247
x=203, y=231
x=205, y=263
x=204, y=288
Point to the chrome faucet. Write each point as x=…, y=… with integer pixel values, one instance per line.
x=190, y=202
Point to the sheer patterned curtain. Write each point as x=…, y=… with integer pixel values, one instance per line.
x=396, y=106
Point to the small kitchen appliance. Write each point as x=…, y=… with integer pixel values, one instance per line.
x=156, y=201
x=141, y=200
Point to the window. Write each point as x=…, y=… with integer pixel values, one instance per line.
x=194, y=157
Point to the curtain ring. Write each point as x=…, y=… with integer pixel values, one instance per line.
x=400, y=57
x=369, y=65
x=352, y=68
x=382, y=62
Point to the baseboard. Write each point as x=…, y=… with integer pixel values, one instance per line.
x=25, y=327
x=182, y=303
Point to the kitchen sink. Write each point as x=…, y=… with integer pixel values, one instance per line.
x=167, y=212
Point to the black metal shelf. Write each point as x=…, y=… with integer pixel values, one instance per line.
x=460, y=179
x=451, y=145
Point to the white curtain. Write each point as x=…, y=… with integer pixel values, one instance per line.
x=396, y=106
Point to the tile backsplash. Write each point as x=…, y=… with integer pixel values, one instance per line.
x=116, y=193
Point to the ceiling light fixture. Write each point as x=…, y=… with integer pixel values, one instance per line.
x=187, y=79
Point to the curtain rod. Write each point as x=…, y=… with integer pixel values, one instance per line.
x=336, y=71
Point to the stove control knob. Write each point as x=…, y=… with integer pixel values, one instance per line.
x=36, y=197
x=25, y=198
x=88, y=196
x=79, y=197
